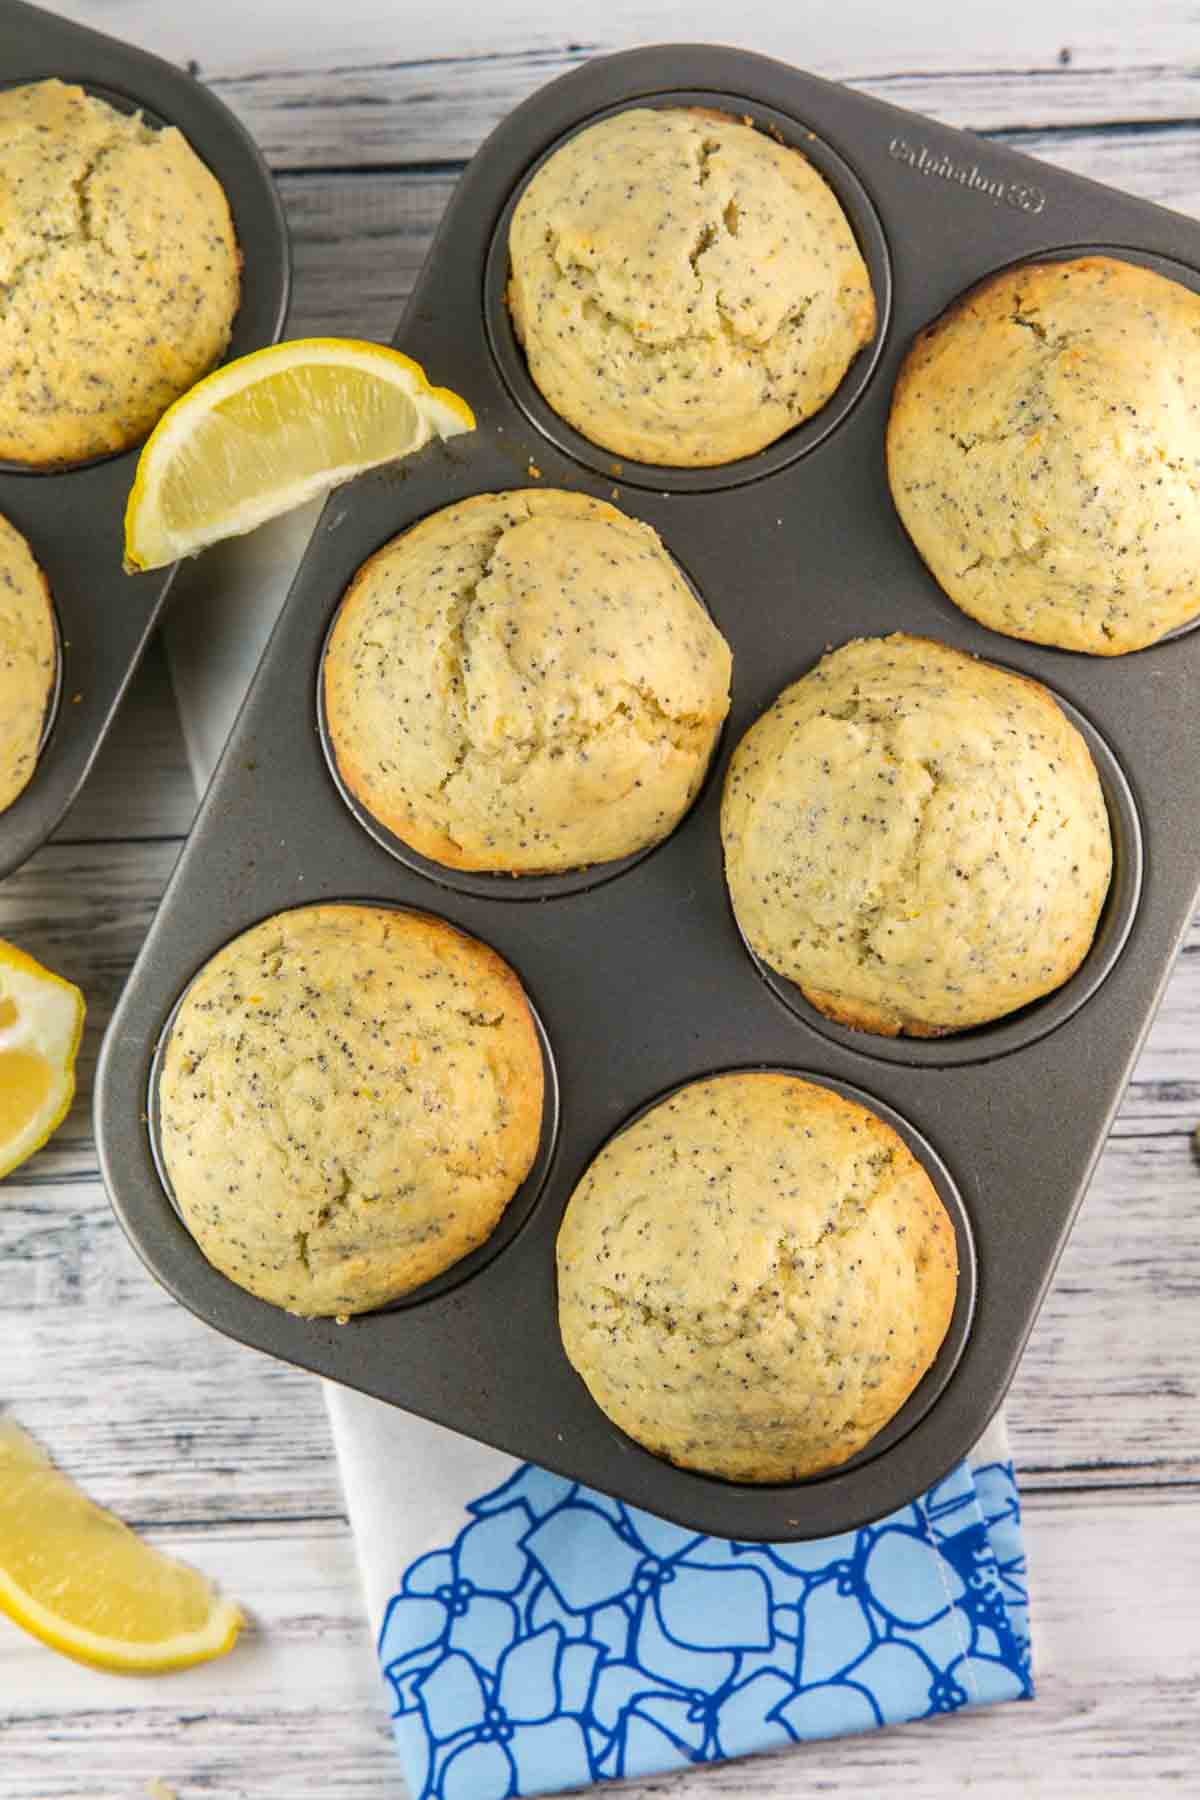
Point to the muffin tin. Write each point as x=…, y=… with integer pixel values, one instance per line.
x=640, y=975
x=74, y=517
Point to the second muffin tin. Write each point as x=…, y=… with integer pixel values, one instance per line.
x=640, y=976
x=74, y=517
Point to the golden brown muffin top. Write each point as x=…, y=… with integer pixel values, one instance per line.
x=349, y=1099
x=754, y=1276
x=917, y=838
x=686, y=288
x=28, y=658
x=525, y=682
x=119, y=273
x=1044, y=453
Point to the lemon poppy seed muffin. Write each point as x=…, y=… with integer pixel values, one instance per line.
x=28, y=661
x=754, y=1276
x=685, y=288
x=350, y=1097
x=918, y=839
x=525, y=682
x=1044, y=453
x=119, y=274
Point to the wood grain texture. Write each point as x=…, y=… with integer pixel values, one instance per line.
x=332, y=120
x=1109, y=1389
x=374, y=83
x=224, y=1454
x=83, y=909
x=358, y=243
x=297, y=1709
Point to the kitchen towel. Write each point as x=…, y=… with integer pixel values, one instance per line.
x=534, y=1635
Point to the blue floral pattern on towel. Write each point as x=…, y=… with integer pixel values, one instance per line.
x=565, y=1637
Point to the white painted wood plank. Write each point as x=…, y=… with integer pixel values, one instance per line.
x=1160, y=163
x=331, y=119
x=1164, y=1094
x=358, y=243
x=1109, y=1387
x=298, y=1707
x=871, y=35
x=173, y=1420
x=325, y=87
x=84, y=909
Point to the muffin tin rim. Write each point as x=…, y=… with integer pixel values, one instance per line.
x=1035, y=1020
x=501, y=884
x=858, y=207
x=54, y=697
x=940, y=1372
x=521, y=1205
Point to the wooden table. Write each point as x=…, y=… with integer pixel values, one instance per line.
x=367, y=110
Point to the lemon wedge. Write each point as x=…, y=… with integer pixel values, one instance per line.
x=41, y=1022
x=82, y=1582
x=271, y=430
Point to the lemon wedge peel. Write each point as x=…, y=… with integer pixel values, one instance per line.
x=224, y=405
x=41, y=1019
x=42, y=1512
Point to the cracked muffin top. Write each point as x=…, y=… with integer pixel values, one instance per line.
x=918, y=839
x=349, y=1099
x=1044, y=453
x=119, y=274
x=685, y=288
x=28, y=661
x=754, y=1276
x=525, y=682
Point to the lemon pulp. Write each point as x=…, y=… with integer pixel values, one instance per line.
x=24, y=1084
x=82, y=1582
x=293, y=429
x=265, y=433
x=41, y=1020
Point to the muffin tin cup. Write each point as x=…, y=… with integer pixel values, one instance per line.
x=864, y=221
x=643, y=981
x=73, y=515
x=1014, y=1030
x=1187, y=274
x=54, y=697
x=491, y=884
x=515, y=1213
x=939, y=1372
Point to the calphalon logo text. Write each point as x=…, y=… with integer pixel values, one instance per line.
x=1022, y=195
